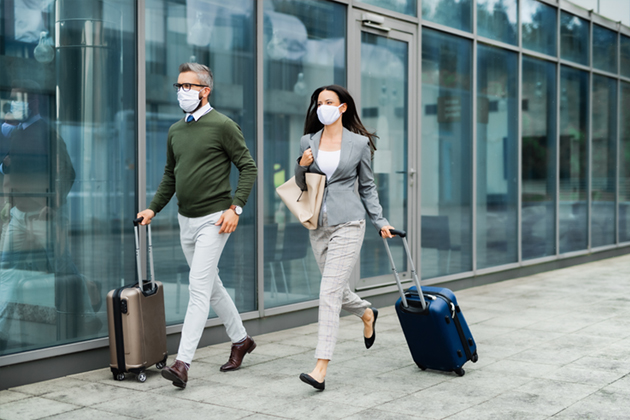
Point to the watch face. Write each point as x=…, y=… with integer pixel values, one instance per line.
x=238, y=210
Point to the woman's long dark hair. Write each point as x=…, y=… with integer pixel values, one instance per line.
x=350, y=118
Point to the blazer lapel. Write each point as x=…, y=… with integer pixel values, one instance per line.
x=314, y=143
x=346, y=151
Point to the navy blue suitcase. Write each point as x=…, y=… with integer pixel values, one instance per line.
x=437, y=333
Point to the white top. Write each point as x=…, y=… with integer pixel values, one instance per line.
x=328, y=162
x=200, y=112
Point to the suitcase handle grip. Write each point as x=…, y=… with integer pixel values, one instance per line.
x=137, y=221
x=395, y=232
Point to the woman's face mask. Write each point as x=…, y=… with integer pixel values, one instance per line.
x=328, y=114
x=188, y=101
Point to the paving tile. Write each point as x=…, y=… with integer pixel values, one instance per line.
x=603, y=404
x=33, y=408
x=372, y=414
x=52, y=385
x=8, y=396
x=90, y=394
x=87, y=413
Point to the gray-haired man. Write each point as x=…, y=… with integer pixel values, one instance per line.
x=200, y=150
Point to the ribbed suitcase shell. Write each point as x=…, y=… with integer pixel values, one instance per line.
x=143, y=329
x=433, y=336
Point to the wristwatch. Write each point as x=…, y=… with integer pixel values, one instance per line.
x=237, y=209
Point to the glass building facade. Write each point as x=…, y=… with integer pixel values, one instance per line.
x=504, y=141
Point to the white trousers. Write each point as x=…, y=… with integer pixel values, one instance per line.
x=202, y=245
x=336, y=249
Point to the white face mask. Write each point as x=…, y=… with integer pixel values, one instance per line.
x=19, y=110
x=328, y=114
x=188, y=101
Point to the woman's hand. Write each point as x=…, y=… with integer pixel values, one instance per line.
x=385, y=231
x=307, y=157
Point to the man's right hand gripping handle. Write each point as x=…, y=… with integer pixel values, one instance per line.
x=146, y=215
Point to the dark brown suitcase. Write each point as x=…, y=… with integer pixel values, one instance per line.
x=137, y=322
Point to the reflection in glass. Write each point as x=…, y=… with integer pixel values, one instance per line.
x=67, y=153
x=574, y=38
x=604, y=49
x=454, y=13
x=497, y=19
x=446, y=154
x=603, y=161
x=407, y=7
x=624, y=162
x=539, y=26
x=300, y=55
x=497, y=157
x=384, y=110
x=624, y=57
x=573, y=217
x=221, y=36
x=538, y=213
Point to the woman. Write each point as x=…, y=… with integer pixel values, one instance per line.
x=337, y=145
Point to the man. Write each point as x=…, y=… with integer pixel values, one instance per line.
x=37, y=175
x=200, y=150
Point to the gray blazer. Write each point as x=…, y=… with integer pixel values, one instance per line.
x=342, y=203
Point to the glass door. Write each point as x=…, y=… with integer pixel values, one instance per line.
x=385, y=59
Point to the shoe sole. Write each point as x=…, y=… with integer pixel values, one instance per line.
x=177, y=381
x=251, y=349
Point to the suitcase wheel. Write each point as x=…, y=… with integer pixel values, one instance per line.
x=142, y=377
x=421, y=367
x=160, y=365
x=474, y=357
x=460, y=371
x=119, y=376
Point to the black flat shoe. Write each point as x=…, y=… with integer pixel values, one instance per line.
x=370, y=341
x=308, y=379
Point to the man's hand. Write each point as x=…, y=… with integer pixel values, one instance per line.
x=146, y=215
x=228, y=221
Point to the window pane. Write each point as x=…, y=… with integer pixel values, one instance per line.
x=300, y=55
x=539, y=27
x=625, y=56
x=446, y=154
x=385, y=110
x=498, y=20
x=604, y=49
x=538, y=214
x=604, y=167
x=624, y=170
x=220, y=36
x=573, y=215
x=497, y=156
x=574, y=36
x=453, y=13
x=407, y=7
x=68, y=178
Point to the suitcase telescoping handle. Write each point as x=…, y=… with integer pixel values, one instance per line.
x=403, y=236
x=136, y=224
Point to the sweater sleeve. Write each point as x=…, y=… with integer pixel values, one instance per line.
x=166, y=188
x=300, y=171
x=235, y=147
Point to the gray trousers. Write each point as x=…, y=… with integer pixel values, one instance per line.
x=336, y=250
x=202, y=245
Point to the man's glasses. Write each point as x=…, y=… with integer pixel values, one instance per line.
x=186, y=86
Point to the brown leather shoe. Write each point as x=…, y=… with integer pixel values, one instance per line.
x=176, y=373
x=237, y=354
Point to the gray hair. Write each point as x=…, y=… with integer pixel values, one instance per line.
x=204, y=74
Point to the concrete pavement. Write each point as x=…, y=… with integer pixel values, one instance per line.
x=553, y=345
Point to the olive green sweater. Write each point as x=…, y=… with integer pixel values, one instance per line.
x=199, y=155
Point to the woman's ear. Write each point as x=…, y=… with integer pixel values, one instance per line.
x=343, y=108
